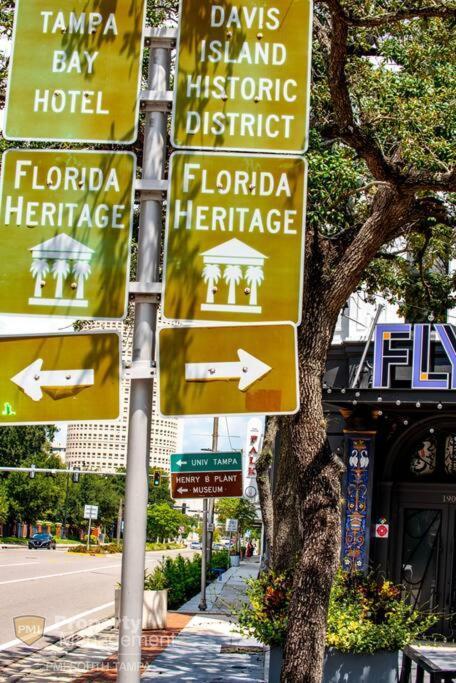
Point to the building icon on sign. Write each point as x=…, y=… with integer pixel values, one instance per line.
x=61, y=257
x=242, y=269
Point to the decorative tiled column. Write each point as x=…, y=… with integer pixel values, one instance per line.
x=358, y=500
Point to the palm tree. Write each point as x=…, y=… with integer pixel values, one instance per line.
x=82, y=271
x=60, y=268
x=232, y=276
x=254, y=277
x=39, y=269
x=211, y=275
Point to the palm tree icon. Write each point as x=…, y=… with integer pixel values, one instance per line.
x=60, y=268
x=232, y=276
x=211, y=275
x=82, y=271
x=254, y=277
x=39, y=269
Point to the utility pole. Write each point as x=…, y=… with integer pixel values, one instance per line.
x=203, y=603
x=119, y=521
x=207, y=536
x=136, y=490
x=211, y=501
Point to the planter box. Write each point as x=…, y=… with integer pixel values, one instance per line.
x=380, y=667
x=155, y=609
x=235, y=560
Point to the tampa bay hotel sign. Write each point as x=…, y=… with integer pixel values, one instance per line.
x=394, y=418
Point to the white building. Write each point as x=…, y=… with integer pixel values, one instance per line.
x=101, y=446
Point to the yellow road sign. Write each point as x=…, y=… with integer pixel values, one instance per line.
x=243, y=75
x=235, y=238
x=59, y=378
x=75, y=71
x=249, y=369
x=65, y=227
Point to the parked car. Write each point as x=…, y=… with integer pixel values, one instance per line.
x=218, y=546
x=195, y=545
x=41, y=541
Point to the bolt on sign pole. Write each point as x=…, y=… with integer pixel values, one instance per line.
x=136, y=493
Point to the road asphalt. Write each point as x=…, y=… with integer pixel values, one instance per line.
x=70, y=591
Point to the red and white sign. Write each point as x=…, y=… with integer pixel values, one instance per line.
x=381, y=531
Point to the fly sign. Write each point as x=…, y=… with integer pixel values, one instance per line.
x=235, y=238
x=75, y=71
x=243, y=75
x=65, y=227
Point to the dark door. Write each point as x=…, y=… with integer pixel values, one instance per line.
x=425, y=554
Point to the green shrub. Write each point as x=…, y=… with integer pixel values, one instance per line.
x=366, y=613
x=220, y=559
x=107, y=549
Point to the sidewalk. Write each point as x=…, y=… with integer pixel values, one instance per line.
x=196, y=646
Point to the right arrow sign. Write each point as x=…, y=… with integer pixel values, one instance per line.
x=199, y=376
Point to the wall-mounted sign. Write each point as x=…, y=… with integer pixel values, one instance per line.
x=243, y=75
x=228, y=370
x=381, y=530
x=235, y=238
x=59, y=378
x=65, y=228
x=75, y=71
x=404, y=344
x=253, y=445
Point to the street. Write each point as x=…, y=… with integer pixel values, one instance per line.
x=70, y=591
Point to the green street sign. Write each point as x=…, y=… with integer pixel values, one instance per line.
x=75, y=71
x=206, y=462
x=65, y=229
x=59, y=378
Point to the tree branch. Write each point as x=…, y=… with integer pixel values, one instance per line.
x=401, y=15
x=352, y=134
x=444, y=12
x=263, y=464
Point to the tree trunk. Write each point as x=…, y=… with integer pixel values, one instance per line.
x=307, y=517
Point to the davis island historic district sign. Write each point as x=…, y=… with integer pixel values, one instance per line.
x=235, y=220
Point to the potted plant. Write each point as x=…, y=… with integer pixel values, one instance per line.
x=368, y=623
x=155, y=601
x=235, y=558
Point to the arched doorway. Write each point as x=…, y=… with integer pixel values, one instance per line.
x=422, y=555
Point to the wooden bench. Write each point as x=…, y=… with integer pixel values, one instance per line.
x=438, y=662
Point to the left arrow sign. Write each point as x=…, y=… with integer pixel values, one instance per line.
x=32, y=378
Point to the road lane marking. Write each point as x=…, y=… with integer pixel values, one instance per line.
x=81, y=615
x=18, y=564
x=52, y=576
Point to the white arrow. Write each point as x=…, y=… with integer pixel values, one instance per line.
x=32, y=378
x=181, y=462
x=248, y=370
x=181, y=490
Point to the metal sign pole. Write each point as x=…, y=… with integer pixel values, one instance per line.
x=136, y=493
x=88, y=532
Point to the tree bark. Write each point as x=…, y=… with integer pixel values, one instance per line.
x=263, y=465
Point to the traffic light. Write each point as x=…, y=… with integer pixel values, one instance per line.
x=32, y=472
x=75, y=476
x=157, y=478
